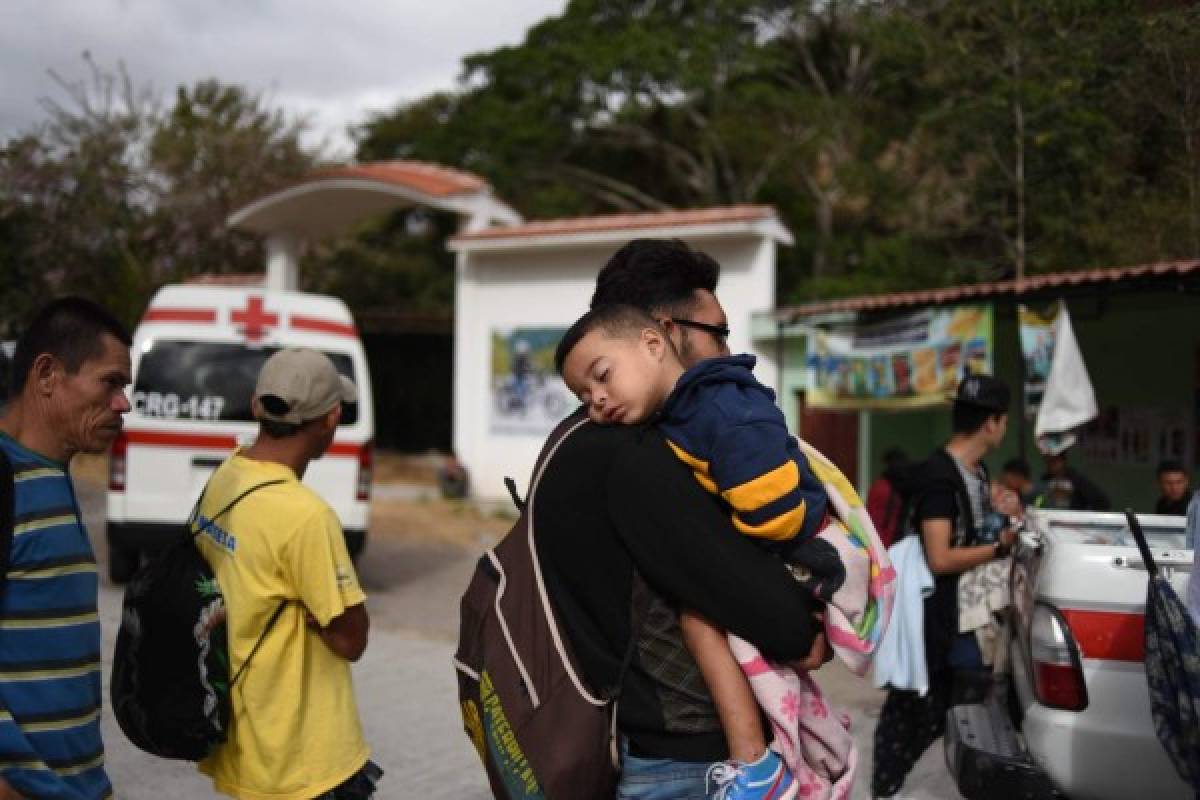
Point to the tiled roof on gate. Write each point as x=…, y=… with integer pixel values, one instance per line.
x=431, y=179
x=228, y=279
x=1032, y=285
x=622, y=222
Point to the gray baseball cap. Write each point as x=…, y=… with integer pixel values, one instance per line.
x=299, y=384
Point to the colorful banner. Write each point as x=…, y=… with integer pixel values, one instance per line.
x=1037, y=348
x=911, y=361
x=528, y=397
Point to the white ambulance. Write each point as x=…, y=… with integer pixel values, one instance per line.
x=196, y=355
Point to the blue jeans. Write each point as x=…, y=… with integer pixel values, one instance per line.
x=964, y=653
x=661, y=778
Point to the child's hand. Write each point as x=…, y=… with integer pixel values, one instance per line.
x=820, y=654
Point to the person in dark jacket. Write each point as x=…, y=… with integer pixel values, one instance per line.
x=1064, y=487
x=952, y=513
x=1016, y=476
x=1174, y=489
x=626, y=537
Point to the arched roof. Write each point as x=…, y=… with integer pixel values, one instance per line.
x=695, y=222
x=332, y=199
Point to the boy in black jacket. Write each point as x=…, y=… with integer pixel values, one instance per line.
x=951, y=511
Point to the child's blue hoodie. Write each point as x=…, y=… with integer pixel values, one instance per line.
x=724, y=424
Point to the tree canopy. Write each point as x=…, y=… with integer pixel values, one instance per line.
x=116, y=194
x=906, y=143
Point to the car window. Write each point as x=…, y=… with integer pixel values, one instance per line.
x=1116, y=532
x=209, y=381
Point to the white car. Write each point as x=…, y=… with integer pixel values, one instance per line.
x=196, y=356
x=1074, y=721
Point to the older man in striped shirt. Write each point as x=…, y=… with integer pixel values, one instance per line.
x=69, y=372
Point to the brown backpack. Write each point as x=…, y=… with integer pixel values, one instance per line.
x=541, y=732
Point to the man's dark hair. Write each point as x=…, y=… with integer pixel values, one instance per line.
x=1018, y=466
x=656, y=275
x=1170, y=465
x=275, y=429
x=967, y=418
x=616, y=321
x=71, y=329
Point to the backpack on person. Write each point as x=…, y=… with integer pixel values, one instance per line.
x=909, y=483
x=541, y=733
x=170, y=680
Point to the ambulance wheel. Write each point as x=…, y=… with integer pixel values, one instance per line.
x=122, y=562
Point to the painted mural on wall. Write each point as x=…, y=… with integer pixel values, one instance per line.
x=1037, y=348
x=528, y=396
x=911, y=361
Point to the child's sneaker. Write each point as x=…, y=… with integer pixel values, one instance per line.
x=765, y=779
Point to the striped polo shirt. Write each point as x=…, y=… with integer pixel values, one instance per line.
x=50, y=686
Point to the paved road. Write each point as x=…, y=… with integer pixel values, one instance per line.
x=406, y=690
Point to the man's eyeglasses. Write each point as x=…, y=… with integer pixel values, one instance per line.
x=719, y=331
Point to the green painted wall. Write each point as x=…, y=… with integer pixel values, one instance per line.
x=1142, y=351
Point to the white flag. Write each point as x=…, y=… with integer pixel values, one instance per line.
x=1069, y=400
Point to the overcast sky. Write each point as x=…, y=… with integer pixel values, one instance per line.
x=334, y=60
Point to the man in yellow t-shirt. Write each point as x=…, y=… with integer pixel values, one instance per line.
x=295, y=732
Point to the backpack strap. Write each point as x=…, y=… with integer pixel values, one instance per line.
x=212, y=521
x=270, y=624
x=511, y=485
x=7, y=499
x=555, y=440
x=607, y=697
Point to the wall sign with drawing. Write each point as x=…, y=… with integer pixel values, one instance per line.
x=1036, y=332
x=528, y=396
x=909, y=361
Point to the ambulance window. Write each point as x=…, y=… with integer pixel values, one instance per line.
x=209, y=381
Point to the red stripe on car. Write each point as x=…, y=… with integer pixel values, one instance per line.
x=1108, y=635
x=204, y=315
x=316, y=324
x=217, y=442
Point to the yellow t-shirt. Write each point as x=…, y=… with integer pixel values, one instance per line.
x=295, y=731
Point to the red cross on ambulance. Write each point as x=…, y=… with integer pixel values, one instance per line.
x=254, y=319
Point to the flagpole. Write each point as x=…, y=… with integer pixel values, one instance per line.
x=1021, y=405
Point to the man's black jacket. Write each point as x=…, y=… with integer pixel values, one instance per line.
x=615, y=499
